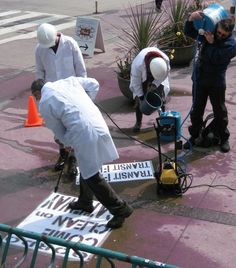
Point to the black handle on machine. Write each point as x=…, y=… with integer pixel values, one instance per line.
x=59, y=178
x=160, y=129
x=58, y=181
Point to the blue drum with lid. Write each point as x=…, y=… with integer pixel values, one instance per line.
x=211, y=16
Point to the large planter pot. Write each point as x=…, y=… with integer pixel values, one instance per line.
x=183, y=55
x=124, y=87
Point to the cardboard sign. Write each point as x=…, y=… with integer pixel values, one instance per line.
x=88, y=34
x=52, y=218
x=121, y=172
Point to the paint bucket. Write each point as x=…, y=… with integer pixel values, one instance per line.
x=211, y=16
x=151, y=102
x=168, y=119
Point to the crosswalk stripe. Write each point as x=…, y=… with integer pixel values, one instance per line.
x=34, y=21
x=23, y=26
x=23, y=17
x=33, y=34
x=7, y=13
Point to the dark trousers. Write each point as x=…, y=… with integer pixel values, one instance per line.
x=158, y=3
x=98, y=186
x=217, y=99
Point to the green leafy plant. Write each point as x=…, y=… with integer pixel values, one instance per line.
x=172, y=34
x=172, y=38
x=142, y=27
x=124, y=66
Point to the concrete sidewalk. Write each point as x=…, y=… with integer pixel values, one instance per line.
x=199, y=229
x=192, y=231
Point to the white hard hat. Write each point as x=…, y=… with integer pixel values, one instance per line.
x=46, y=35
x=158, y=68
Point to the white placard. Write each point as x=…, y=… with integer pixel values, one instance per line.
x=134, y=171
x=52, y=218
x=88, y=34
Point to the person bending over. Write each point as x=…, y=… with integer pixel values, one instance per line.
x=73, y=117
x=150, y=67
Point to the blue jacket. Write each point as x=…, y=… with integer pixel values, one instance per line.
x=213, y=59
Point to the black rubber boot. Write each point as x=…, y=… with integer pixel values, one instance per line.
x=72, y=171
x=110, y=200
x=61, y=160
x=139, y=117
x=85, y=199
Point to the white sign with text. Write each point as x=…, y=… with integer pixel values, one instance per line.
x=52, y=218
x=121, y=172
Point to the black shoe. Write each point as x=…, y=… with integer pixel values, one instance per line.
x=115, y=222
x=80, y=206
x=225, y=147
x=118, y=220
x=137, y=127
x=61, y=160
x=72, y=171
x=189, y=144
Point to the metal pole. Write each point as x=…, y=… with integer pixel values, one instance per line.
x=96, y=7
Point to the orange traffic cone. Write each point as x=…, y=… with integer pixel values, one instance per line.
x=34, y=118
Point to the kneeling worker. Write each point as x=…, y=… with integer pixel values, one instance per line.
x=150, y=67
x=73, y=117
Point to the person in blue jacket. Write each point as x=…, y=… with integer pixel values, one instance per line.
x=215, y=51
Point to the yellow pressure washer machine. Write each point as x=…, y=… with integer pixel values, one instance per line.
x=169, y=174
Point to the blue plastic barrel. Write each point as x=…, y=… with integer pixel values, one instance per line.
x=211, y=16
x=167, y=121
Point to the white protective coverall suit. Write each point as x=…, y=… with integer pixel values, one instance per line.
x=67, y=61
x=52, y=65
x=139, y=77
x=73, y=117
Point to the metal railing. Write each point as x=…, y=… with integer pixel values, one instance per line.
x=109, y=255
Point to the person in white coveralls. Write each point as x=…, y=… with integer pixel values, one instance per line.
x=73, y=117
x=58, y=56
x=150, y=68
